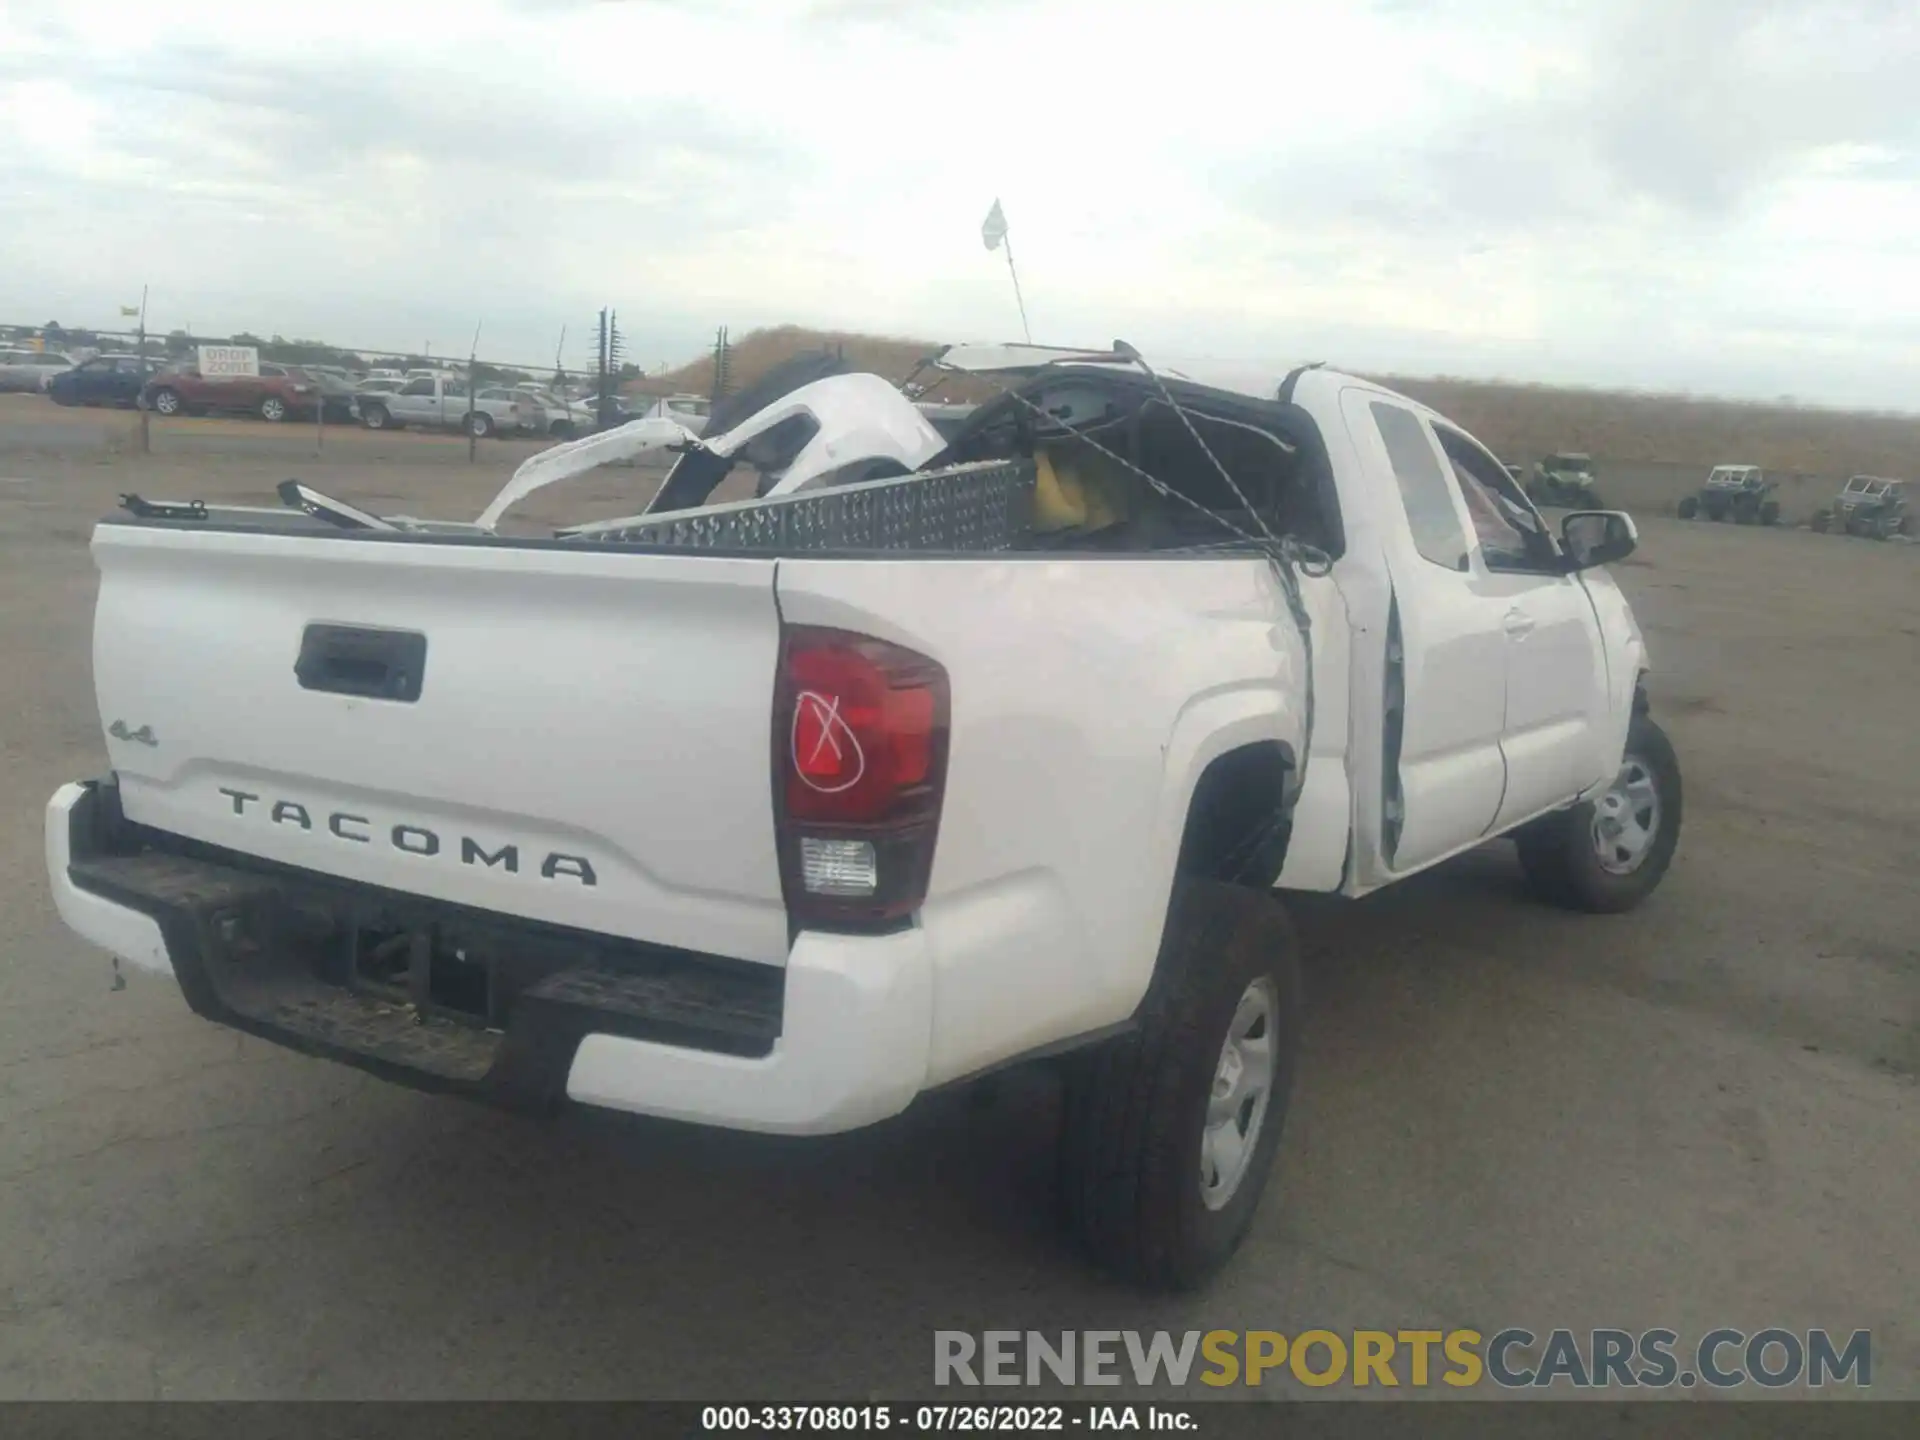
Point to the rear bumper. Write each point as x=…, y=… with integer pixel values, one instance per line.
x=836, y=1040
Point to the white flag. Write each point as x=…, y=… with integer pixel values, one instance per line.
x=994, y=229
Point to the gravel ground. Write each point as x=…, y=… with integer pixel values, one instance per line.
x=1700, y=1114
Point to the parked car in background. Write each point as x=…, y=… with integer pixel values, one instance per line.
x=103, y=380
x=543, y=412
x=23, y=369
x=337, y=394
x=435, y=402
x=277, y=393
x=1740, y=493
x=688, y=411
x=1868, y=506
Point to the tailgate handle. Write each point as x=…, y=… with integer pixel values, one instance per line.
x=348, y=660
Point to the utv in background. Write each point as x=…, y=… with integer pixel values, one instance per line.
x=1740, y=493
x=1868, y=506
x=1564, y=478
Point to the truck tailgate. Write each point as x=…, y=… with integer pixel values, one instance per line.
x=584, y=739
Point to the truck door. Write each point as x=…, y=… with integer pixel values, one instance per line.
x=1442, y=771
x=415, y=402
x=1556, y=672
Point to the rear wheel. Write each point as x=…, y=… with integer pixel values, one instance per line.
x=273, y=408
x=166, y=402
x=478, y=422
x=1689, y=506
x=1608, y=854
x=1170, y=1131
x=374, y=417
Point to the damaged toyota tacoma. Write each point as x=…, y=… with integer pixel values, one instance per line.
x=943, y=754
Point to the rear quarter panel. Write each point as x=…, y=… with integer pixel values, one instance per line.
x=1088, y=695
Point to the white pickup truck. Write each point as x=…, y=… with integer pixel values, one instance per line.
x=777, y=815
x=444, y=402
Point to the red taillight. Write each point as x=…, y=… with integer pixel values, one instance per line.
x=859, y=766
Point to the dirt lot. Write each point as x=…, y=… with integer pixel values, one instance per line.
x=1702, y=1114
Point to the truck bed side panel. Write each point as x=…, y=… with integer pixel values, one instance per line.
x=1088, y=696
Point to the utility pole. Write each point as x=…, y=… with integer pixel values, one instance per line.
x=473, y=393
x=722, y=367
x=610, y=347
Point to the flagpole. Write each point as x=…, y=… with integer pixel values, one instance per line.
x=1018, y=299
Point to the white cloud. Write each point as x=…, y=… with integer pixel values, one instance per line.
x=1711, y=195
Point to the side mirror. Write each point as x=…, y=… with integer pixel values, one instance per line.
x=1597, y=537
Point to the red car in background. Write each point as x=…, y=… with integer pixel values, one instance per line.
x=278, y=392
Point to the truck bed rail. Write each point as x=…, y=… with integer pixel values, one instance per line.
x=984, y=506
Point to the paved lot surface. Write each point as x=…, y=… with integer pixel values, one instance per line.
x=1701, y=1114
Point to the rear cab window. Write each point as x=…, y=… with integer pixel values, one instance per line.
x=1426, y=495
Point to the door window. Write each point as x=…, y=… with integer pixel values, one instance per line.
x=417, y=387
x=1511, y=533
x=1425, y=493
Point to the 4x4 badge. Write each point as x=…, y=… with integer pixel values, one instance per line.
x=143, y=736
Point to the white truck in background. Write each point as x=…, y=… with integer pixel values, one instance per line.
x=775, y=816
x=444, y=402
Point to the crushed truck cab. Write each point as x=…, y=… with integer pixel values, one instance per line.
x=777, y=815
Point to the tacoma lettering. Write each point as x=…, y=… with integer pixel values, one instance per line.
x=411, y=839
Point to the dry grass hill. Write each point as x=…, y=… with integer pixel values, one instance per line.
x=1519, y=421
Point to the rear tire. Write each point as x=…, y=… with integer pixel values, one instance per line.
x=1170, y=1131
x=166, y=402
x=478, y=423
x=1689, y=506
x=273, y=409
x=1592, y=857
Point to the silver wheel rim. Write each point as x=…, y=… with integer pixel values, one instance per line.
x=166, y=404
x=272, y=410
x=1626, y=819
x=1237, y=1100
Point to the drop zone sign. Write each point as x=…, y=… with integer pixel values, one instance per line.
x=228, y=362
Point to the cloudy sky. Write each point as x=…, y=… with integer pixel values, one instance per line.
x=1714, y=195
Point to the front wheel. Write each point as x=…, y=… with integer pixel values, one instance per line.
x=375, y=417
x=166, y=402
x=1608, y=854
x=273, y=409
x=1170, y=1131
x=479, y=423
